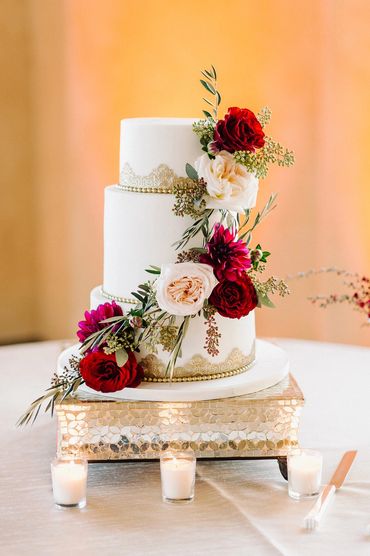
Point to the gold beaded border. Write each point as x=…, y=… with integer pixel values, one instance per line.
x=202, y=377
x=135, y=189
x=117, y=298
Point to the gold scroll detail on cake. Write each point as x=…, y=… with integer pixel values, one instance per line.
x=198, y=367
x=161, y=180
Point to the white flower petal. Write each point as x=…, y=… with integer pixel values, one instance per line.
x=229, y=185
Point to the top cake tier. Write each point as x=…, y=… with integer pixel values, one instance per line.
x=140, y=227
x=146, y=143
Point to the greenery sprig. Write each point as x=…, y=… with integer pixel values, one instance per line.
x=189, y=199
x=62, y=386
x=210, y=84
x=271, y=286
x=202, y=224
x=269, y=206
x=176, y=352
x=264, y=116
x=258, y=162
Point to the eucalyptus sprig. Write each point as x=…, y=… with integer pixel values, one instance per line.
x=264, y=116
x=258, y=162
x=210, y=84
x=271, y=286
x=189, y=197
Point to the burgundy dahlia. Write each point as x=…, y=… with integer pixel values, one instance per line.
x=228, y=256
x=93, y=318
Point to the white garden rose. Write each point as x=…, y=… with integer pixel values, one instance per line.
x=229, y=185
x=182, y=288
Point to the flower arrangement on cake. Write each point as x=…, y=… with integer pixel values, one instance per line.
x=217, y=273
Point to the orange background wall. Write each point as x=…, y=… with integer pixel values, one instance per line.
x=72, y=69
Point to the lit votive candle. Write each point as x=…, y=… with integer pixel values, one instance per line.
x=69, y=479
x=178, y=476
x=304, y=473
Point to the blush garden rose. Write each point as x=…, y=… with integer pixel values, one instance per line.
x=182, y=288
x=229, y=185
x=238, y=131
x=101, y=372
x=234, y=299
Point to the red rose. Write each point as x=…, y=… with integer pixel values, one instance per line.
x=239, y=131
x=101, y=372
x=234, y=299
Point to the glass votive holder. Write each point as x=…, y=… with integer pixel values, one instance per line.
x=69, y=480
x=304, y=473
x=178, y=476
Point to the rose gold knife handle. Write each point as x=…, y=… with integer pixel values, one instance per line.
x=313, y=517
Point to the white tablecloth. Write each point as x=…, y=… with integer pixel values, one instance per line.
x=241, y=507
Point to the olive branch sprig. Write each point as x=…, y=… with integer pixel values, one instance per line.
x=176, y=352
x=269, y=206
x=210, y=84
x=56, y=393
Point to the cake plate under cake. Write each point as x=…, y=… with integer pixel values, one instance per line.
x=260, y=425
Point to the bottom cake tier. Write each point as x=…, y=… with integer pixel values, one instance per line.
x=262, y=424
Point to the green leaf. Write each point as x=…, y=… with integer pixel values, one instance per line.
x=218, y=98
x=265, y=254
x=191, y=172
x=208, y=115
x=141, y=299
x=210, y=88
x=207, y=74
x=144, y=287
x=266, y=301
x=121, y=357
x=208, y=101
x=214, y=72
x=110, y=319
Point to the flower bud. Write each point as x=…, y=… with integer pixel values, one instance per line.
x=136, y=322
x=256, y=255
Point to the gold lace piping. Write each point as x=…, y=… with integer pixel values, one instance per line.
x=161, y=180
x=198, y=367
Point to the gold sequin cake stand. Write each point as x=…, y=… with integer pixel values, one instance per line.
x=260, y=425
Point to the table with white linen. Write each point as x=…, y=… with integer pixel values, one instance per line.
x=240, y=507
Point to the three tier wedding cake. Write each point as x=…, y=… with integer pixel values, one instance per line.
x=181, y=276
x=154, y=153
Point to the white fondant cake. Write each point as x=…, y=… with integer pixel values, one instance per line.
x=146, y=143
x=140, y=229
